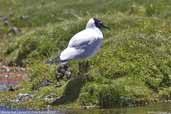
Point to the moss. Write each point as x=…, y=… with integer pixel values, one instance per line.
x=165, y=93
x=40, y=72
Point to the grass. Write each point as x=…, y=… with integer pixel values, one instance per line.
x=132, y=68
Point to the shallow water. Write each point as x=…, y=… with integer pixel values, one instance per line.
x=162, y=108
x=3, y=87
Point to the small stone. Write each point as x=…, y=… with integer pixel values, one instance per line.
x=58, y=85
x=14, y=30
x=3, y=18
x=42, y=84
x=57, y=100
x=49, y=98
x=68, y=74
x=63, y=70
x=23, y=69
x=24, y=17
x=46, y=83
x=6, y=23
x=11, y=88
x=66, y=67
x=6, y=68
x=6, y=76
x=23, y=97
x=59, y=76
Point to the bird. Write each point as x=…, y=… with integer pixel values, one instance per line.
x=82, y=45
x=85, y=43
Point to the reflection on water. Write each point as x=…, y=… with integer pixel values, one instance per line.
x=163, y=108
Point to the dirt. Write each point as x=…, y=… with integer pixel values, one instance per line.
x=11, y=74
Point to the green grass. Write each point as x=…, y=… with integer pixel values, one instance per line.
x=132, y=68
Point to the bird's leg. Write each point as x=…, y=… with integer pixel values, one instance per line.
x=84, y=68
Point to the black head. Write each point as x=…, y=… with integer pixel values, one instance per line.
x=99, y=24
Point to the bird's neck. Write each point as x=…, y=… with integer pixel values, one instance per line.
x=98, y=31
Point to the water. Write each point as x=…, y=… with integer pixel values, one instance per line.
x=3, y=87
x=162, y=108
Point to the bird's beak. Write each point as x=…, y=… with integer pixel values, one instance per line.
x=106, y=27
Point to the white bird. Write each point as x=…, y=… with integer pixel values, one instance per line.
x=85, y=43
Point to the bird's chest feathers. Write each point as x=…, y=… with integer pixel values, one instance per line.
x=98, y=34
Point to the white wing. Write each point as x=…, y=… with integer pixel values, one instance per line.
x=83, y=38
x=69, y=53
x=80, y=44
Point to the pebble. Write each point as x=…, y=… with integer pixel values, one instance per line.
x=49, y=98
x=63, y=70
x=5, y=68
x=23, y=97
x=14, y=30
x=24, y=17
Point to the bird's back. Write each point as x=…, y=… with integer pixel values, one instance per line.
x=83, y=44
x=84, y=37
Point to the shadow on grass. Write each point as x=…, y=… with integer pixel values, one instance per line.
x=73, y=88
x=71, y=92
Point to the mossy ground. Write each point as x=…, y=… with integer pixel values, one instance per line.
x=132, y=68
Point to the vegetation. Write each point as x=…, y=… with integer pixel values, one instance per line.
x=132, y=68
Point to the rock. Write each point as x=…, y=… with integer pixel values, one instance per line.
x=57, y=100
x=23, y=97
x=63, y=70
x=68, y=74
x=6, y=23
x=24, y=17
x=14, y=87
x=89, y=107
x=49, y=98
x=11, y=88
x=43, y=84
x=14, y=30
x=59, y=76
x=3, y=18
x=23, y=69
x=6, y=76
x=58, y=84
x=5, y=68
x=60, y=73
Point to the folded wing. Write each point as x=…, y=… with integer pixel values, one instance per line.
x=82, y=39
